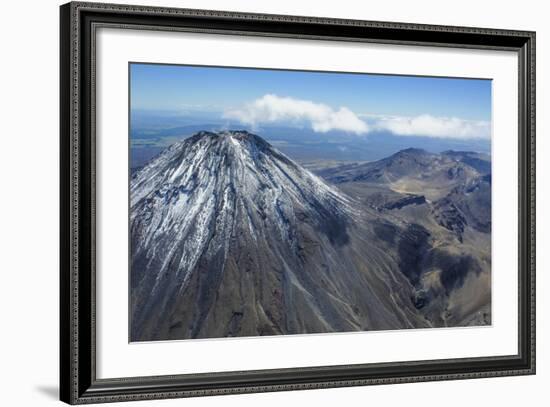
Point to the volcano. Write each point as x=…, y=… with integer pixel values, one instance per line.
x=230, y=237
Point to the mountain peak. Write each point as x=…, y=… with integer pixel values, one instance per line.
x=204, y=196
x=228, y=138
x=235, y=157
x=224, y=133
x=194, y=185
x=412, y=151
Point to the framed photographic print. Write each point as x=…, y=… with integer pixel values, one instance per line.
x=257, y=203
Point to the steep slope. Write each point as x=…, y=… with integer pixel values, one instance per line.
x=229, y=237
x=467, y=204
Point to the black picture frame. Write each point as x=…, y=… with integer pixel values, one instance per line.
x=78, y=382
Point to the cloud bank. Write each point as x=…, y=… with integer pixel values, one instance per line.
x=322, y=118
x=271, y=108
x=431, y=126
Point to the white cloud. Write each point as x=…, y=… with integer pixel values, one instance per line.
x=271, y=108
x=431, y=126
x=322, y=118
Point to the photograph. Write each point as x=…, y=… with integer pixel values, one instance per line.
x=281, y=202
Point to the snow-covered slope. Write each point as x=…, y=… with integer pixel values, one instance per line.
x=193, y=194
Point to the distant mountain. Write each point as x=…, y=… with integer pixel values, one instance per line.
x=230, y=237
x=411, y=170
x=446, y=200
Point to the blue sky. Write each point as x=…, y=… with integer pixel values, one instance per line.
x=254, y=96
